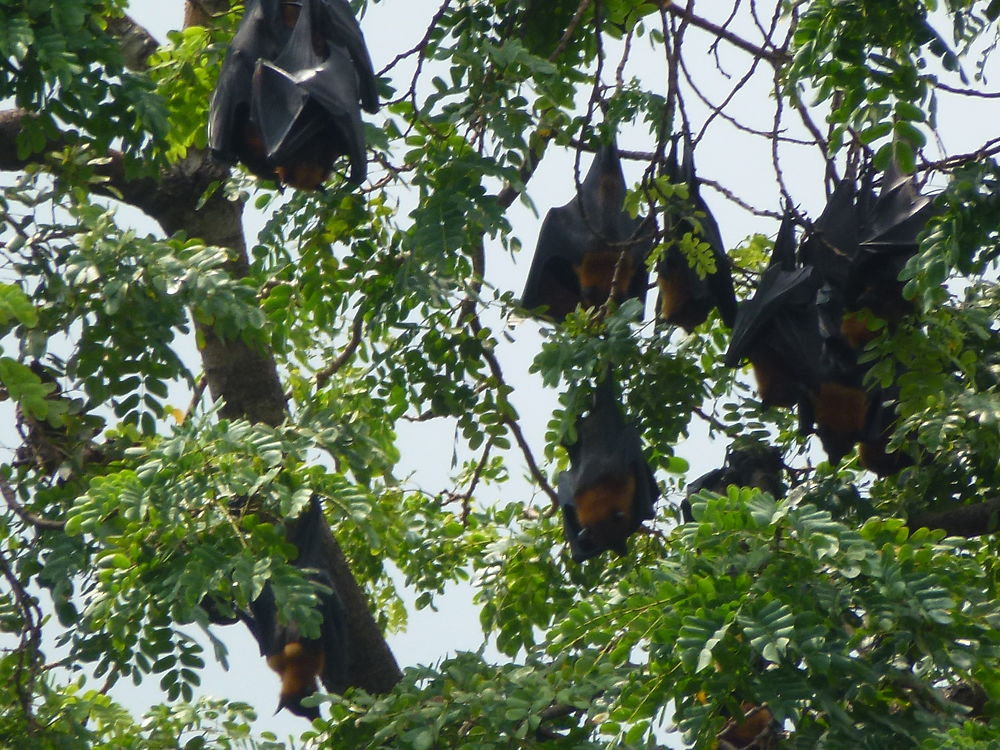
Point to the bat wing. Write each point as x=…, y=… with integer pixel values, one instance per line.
x=334, y=88
x=783, y=255
x=647, y=490
x=551, y=279
x=565, y=492
x=610, y=488
x=602, y=194
x=778, y=290
x=898, y=215
x=261, y=34
x=685, y=297
x=831, y=248
x=337, y=23
x=720, y=283
x=305, y=102
x=308, y=540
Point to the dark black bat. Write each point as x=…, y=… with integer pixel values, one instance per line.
x=301, y=662
x=609, y=488
x=685, y=297
x=576, y=260
x=287, y=100
x=778, y=328
x=747, y=465
x=888, y=241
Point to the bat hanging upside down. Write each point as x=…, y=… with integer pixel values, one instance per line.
x=590, y=250
x=609, y=489
x=287, y=101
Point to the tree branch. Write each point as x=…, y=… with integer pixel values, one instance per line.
x=967, y=521
x=774, y=57
x=137, y=44
x=23, y=513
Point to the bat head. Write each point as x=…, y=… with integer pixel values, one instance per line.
x=298, y=662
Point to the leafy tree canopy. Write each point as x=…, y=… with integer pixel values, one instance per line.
x=861, y=611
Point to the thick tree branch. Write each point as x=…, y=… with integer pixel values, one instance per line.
x=245, y=379
x=963, y=520
x=137, y=44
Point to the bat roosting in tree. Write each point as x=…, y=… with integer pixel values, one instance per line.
x=609, y=489
x=747, y=465
x=300, y=661
x=686, y=297
x=777, y=329
x=287, y=100
x=888, y=241
x=589, y=246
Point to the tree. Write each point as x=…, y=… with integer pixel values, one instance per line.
x=859, y=611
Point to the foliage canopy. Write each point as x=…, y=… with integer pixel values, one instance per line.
x=832, y=606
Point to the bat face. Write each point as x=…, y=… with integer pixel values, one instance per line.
x=609, y=489
x=580, y=244
x=298, y=663
x=287, y=101
x=685, y=297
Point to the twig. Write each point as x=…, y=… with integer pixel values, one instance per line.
x=23, y=513
x=476, y=476
x=776, y=58
x=508, y=419
x=967, y=92
x=355, y=341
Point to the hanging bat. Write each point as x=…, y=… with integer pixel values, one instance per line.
x=609, y=489
x=873, y=451
x=685, y=296
x=286, y=104
x=302, y=662
x=778, y=330
x=839, y=404
x=888, y=241
x=747, y=465
x=590, y=250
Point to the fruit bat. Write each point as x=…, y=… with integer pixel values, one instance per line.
x=756, y=724
x=609, y=488
x=576, y=260
x=888, y=241
x=873, y=453
x=839, y=404
x=685, y=297
x=287, y=101
x=750, y=465
x=778, y=330
x=302, y=662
